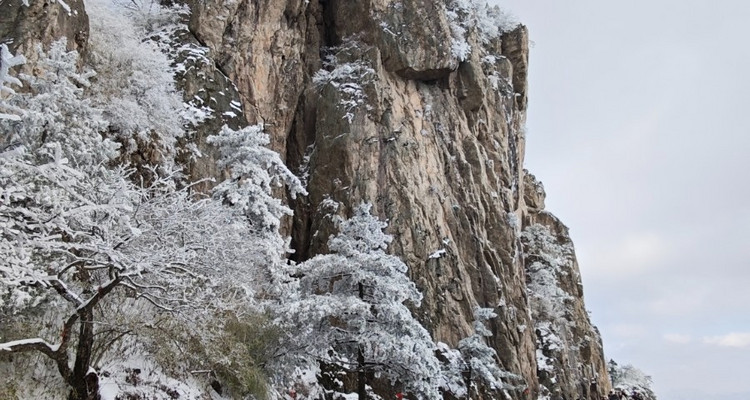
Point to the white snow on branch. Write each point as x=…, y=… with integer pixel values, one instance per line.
x=8, y=61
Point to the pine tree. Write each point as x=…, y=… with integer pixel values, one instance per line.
x=350, y=311
x=481, y=365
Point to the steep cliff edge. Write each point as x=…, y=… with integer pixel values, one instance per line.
x=417, y=107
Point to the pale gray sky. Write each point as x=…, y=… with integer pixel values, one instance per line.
x=638, y=126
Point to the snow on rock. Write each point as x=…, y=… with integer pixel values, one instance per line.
x=347, y=78
x=437, y=254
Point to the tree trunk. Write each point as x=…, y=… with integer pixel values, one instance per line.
x=85, y=385
x=361, y=378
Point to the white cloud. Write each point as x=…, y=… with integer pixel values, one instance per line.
x=734, y=339
x=677, y=338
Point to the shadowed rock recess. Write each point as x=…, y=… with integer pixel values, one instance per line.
x=369, y=101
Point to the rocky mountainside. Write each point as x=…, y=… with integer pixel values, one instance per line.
x=415, y=106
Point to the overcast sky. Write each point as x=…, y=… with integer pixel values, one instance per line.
x=638, y=125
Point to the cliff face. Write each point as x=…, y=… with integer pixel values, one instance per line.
x=380, y=109
x=25, y=24
x=375, y=101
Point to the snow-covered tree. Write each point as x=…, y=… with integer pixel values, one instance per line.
x=79, y=236
x=631, y=380
x=134, y=86
x=350, y=311
x=255, y=171
x=481, y=367
x=489, y=22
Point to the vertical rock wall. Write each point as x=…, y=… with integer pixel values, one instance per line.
x=269, y=49
x=368, y=102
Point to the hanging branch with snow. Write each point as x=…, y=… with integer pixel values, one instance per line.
x=8, y=61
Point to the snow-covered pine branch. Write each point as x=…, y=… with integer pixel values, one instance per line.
x=255, y=171
x=481, y=361
x=8, y=61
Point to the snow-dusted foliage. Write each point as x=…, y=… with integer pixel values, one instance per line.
x=150, y=15
x=351, y=312
x=8, y=61
x=58, y=121
x=348, y=78
x=547, y=260
x=135, y=84
x=481, y=360
x=98, y=266
x=454, y=374
x=466, y=15
x=473, y=367
x=255, y=171
x=77, y=233
x=548, y=342
x=631, y=381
